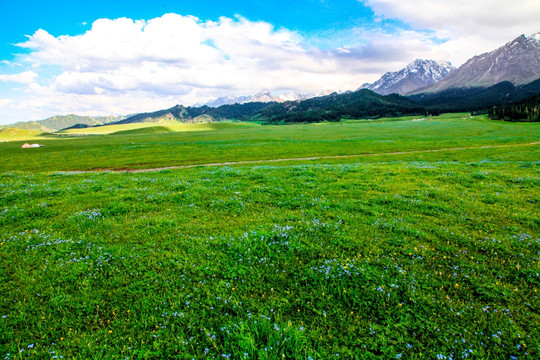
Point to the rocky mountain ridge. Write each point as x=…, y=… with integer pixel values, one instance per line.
x=418, y=74
x=517, y=62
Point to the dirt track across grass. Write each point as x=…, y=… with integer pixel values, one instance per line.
x=249, y=162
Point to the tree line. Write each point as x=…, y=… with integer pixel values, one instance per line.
x=525, y=110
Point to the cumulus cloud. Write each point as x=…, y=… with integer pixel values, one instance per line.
x=190, y=58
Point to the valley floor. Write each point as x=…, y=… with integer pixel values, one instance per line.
x=427, y=248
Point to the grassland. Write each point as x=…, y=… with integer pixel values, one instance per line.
x=225, y=142
x=416, y=255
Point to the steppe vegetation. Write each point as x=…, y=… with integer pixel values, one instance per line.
x=398, y=252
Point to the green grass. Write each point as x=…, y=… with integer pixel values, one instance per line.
x=419, y=255
x=224, y=142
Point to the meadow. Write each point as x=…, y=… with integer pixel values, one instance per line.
x=395, y=252
x=140, y=146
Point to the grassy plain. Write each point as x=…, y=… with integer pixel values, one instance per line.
x=227, y=141
x=417, y=255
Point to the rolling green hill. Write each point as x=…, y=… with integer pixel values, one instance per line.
x=59, y=122
x=196, y=115
x=161, y=126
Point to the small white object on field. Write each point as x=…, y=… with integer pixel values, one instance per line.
x=28, y=146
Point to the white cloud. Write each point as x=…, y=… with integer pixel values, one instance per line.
x=26, y=77
x=469, y=27
x=486, y=17
x=191, y=59
x=124, y=65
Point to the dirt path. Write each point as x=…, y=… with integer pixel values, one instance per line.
x=248, y=162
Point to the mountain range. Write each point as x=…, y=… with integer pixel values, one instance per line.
x=264, y=96
x=517, y=62
x=509, y=73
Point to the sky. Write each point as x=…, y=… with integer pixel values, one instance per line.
x=124, y=57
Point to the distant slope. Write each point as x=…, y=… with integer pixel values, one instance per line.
x=517, y=62
x=198, y=114
x=115, y=127
x=60, y=122
x=476, y=98
x=177, y=112
x=362, y=103
x=416, y=75
x=158, y=127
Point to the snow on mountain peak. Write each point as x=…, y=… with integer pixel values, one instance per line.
x=263, y=96
x=417, y=74
x=535, y=37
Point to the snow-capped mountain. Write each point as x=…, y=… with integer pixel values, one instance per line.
x=262, y=96
x=517, y=62
x=416, y=75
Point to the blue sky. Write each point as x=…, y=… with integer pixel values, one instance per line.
x=309, y=17
x=119, y=57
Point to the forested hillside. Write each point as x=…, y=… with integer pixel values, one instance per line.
x=477, y=98
x=528, y=110
x=358, y=104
